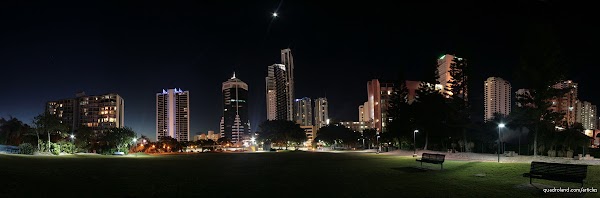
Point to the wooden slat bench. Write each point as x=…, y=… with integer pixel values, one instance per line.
x=575, y=173
x=433, y=159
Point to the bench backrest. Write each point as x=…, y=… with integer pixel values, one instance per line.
x=571, y=170
x=433, y=157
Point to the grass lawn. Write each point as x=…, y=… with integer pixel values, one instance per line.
x=275, y=174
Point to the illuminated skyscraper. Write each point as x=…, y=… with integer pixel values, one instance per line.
x=321, y=112
x=497, y=97
x=235, y=123
x=288, y=60
x=173, y=114
x=277, y=94
x=378, y=102
x=303, y=111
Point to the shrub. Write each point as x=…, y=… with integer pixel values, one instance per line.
x=55, y=148
x=26, y=148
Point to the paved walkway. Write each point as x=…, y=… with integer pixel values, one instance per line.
x=494, y=157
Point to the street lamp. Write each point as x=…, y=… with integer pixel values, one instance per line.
x=378, y=147
x=134, y=143
x=415, y=142
x=73, y=142
x=500, y=126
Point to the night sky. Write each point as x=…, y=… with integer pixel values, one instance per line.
x=50, y=51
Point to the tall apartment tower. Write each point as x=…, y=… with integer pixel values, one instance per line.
x=586, y=115
x=98, y=112
x=303, y=111
x=277, y=93
x=173, y=114
x=567, y=103
x=361, y=113
x=497, y=96
x=321, y=112
x=444, y=78
x=235, y=123
x=378, y=103
x=288, y=60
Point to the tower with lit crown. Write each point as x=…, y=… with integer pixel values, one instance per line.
x=173, y=114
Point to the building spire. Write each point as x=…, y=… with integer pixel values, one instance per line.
x=233, y=75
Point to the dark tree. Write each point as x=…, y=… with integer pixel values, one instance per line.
x=13, y=131
x=281, y=132
x=400, y=113
x=540, y=68
x=370, y=135
x=336, y=134
x=119, y=138
x=49, y=124
x=458, y=104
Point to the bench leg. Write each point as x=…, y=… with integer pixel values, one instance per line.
x=421, y=164
x=442, y=166
x=530, y=179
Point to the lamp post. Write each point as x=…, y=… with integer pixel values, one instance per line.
x=135, y=144
x=378, y=147
x=415, y=142
x=500, y=126
x=73, y=142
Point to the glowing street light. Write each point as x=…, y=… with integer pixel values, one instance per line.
x=500, y=126
x=274, y=14
x=415, y=142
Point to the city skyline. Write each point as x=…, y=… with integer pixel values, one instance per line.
x=335, y=61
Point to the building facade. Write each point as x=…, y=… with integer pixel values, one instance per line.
x=363, y=112
x=445, y=78
x=357, y=126
x=321, y=112
x=278, y=101
x=288, y=60
x=567, y=103
x=173, y=114
x=235, y=123
x=311, y=133
x=497, y=97
x=586, y=115
x=303, y=111
x=378, y=103
x=98, y=112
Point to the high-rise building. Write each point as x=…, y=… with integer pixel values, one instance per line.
x=321, y=112
x=586, y=115
x=357, y=126
x=497, y=96
x=567, y=103
x=311, y=133
x=173, y=114
x=303, y=111
x=362, y=112
x=99, y=112
x=235, y=123
x=288, y=60
x=277, y=93
x=378, y=102
x=445, y=78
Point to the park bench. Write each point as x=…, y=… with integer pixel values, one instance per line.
x=433, y=159
x=575, y=173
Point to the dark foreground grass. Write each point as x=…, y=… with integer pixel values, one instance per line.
x=289, y=174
